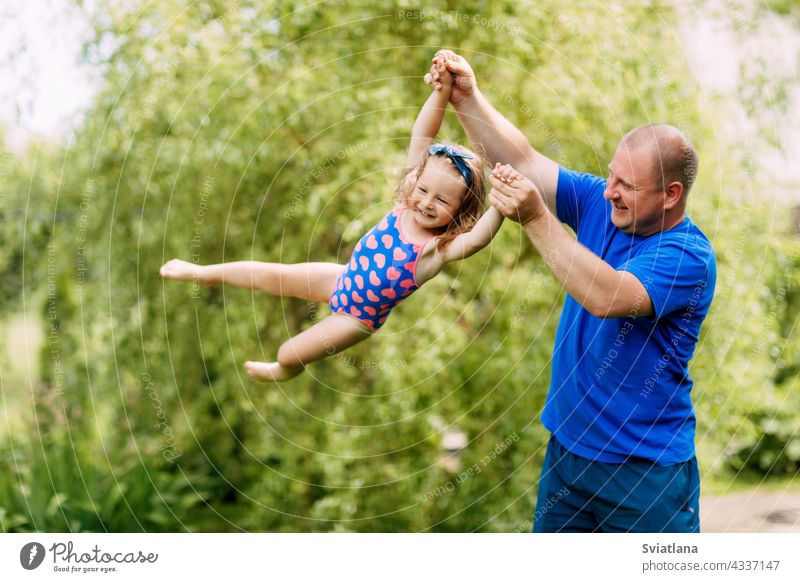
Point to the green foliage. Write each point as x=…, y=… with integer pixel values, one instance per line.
x=276, y=131
x=757, y=400
x=71, y=478
x=28, y=185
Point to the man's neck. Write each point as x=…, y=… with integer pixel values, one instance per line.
x=667, y=224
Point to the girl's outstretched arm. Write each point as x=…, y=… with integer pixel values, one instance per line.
x=467, y=244
x=430, y=118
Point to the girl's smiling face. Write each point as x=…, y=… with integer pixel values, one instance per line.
x=438, y=194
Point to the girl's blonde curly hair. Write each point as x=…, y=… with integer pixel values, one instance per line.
x=471, y=208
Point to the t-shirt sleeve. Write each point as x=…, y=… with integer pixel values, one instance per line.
x=574, y=193
x=676, y=272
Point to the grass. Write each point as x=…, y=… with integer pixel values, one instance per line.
x=749, y=481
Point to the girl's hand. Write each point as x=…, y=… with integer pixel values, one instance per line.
x=464, y=83
x=444, y=77
x=514, y=196
x=439, y=77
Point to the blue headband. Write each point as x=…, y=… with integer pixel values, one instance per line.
x=457, y=158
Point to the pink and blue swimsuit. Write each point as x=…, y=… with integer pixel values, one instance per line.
x=380, y=274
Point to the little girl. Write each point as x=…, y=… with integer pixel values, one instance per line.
x=437, y=220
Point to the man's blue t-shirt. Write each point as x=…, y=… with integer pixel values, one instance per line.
x=620, y=387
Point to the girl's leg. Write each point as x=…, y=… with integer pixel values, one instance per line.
x=325, y=338
x=310, y=281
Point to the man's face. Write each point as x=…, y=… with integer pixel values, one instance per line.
x=637, y=204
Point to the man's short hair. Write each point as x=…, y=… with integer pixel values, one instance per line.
x=674, y=156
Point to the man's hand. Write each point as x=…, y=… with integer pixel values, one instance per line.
x=515, y=196
x=464, y=83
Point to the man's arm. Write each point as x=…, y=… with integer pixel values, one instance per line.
x=491, y=133
x=597, y=286
x=602, y=290
x=429, y=119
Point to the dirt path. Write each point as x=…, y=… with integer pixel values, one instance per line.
x=756, y=510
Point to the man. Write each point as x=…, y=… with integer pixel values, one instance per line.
x=640, y=278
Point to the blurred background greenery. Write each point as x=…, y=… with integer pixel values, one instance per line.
x=277, y=131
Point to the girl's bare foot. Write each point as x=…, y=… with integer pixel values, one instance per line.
x=270, y=371
x=183, y=271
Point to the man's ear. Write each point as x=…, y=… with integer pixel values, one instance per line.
x=673, y=195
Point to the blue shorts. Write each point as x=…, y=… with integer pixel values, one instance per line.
x=580, y=495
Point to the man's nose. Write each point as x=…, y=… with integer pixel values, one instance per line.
x=610, y=193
